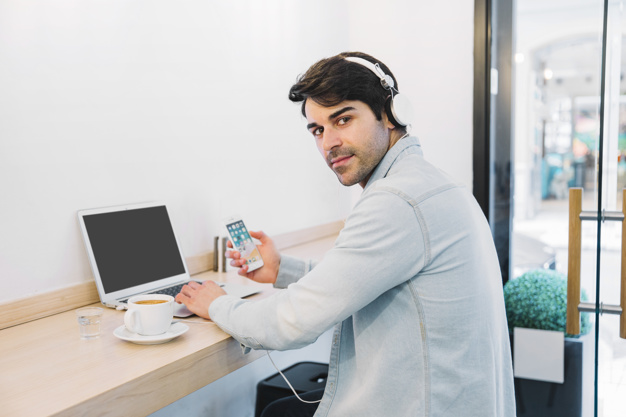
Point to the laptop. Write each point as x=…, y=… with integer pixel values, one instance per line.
x=133, y=250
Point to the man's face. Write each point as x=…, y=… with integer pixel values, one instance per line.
x=349, y=138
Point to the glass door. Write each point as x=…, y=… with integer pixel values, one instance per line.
x=610, y=377
x=564, y=66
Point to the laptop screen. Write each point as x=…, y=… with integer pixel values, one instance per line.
x=133, y=247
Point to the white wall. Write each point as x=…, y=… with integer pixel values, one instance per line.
x=105, y=103
x=121, y=101
x=429, y=46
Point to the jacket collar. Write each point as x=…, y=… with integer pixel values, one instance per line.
x=408, y=145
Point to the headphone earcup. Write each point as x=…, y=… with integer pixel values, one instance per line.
x=399, y=110
x=389, y=112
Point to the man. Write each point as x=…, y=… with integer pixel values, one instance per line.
x=412, y=285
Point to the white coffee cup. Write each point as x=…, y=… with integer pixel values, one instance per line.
x=149, y=314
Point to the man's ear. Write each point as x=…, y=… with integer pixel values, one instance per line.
x=386, y=121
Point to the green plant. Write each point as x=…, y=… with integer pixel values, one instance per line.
x=538, y=300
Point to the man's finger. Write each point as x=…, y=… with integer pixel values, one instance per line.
x=260, y=235
x=187, y=289
x=181, y=298
x=184, y=289
x=237, y=262
x=233, y=254
x=243, y=271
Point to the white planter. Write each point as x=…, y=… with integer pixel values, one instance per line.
x=539, y=355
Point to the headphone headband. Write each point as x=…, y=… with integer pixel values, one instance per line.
x=398, y=108
x=386, y=80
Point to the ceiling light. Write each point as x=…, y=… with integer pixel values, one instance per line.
x=548, y=74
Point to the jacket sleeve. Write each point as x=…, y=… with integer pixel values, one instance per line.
x=382, y=245
x=291, y=270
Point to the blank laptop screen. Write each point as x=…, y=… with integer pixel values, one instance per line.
x=133, y=247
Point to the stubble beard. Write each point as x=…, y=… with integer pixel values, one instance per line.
x=358, y=169
x=363, y=162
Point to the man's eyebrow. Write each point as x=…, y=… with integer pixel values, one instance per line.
x=332, y=116
x=338, y=112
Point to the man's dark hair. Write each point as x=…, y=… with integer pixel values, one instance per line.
x=332, y=80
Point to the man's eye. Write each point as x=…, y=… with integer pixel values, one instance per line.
x=318, y=131
x=343, y=120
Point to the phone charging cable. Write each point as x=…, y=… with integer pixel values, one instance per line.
x=288, y=383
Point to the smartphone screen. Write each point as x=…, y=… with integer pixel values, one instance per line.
x=242, y=241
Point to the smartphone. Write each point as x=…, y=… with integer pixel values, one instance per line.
x=242, y=242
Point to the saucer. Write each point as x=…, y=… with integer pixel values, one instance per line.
x=174, y=331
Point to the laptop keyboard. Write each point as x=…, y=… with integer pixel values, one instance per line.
x=173, y=291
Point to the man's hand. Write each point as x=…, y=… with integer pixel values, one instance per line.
x=271, y=260
x=199, y=297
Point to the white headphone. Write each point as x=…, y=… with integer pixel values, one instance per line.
x=398, y=107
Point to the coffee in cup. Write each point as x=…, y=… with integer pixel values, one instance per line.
x=150, y=301
x=149, y=314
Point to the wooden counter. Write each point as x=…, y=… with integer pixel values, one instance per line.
x=46, y=369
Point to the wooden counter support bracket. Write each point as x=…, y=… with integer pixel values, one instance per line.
x=574, y=306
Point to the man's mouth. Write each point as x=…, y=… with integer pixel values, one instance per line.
x=340, y=161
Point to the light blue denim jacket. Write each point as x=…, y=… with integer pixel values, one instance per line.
x=413, y=288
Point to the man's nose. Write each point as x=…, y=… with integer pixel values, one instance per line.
x=331, y=140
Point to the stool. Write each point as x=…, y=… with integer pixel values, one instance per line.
x=304, y=376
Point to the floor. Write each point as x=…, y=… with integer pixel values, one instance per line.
x=550, y=225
